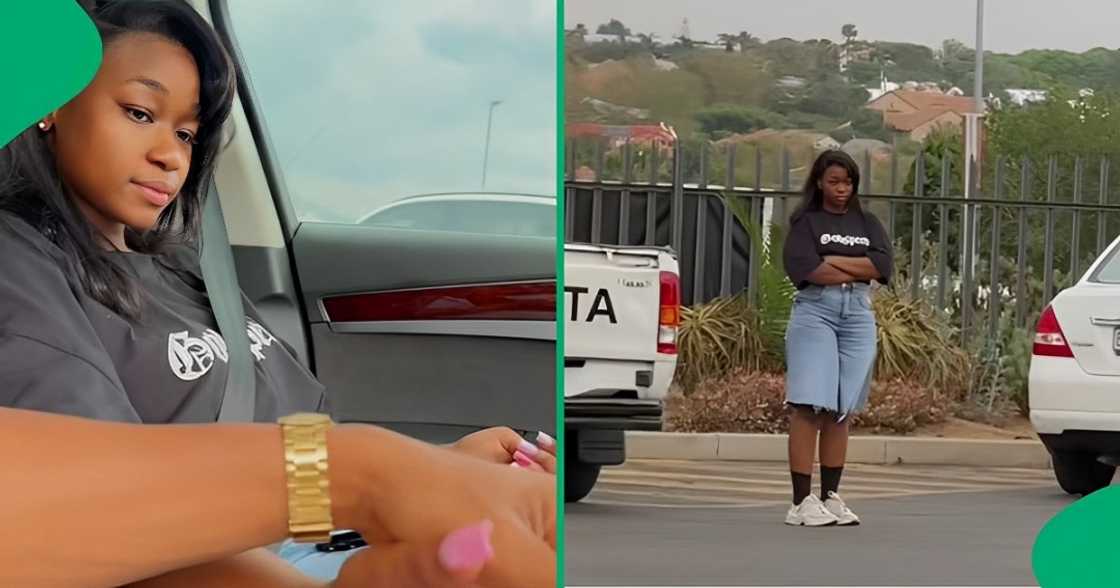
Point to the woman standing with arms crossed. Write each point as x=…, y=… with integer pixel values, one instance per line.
x=833, y=252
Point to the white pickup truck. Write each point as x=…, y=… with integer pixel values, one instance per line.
x=622, y=307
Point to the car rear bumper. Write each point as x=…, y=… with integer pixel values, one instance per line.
x=647, y=380
x=1057, y=422
x=612, y=413
x=596, y=427
x=1084, y=441
x=1062, y=397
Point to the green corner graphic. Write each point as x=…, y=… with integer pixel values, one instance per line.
x=49, y=52
x=1077, y=547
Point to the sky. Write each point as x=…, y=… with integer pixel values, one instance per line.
x=1010, y=26
x=369, y=101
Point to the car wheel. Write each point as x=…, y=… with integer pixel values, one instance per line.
x=579, y=477
x=1081, y=473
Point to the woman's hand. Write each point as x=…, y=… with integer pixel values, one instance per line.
x=503, y=445
x=456, y=561
x=395, y=490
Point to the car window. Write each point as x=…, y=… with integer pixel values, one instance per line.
x=498, y=218
x=1109, y=271
x=370, y=101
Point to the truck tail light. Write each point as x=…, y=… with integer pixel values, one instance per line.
x=670, y=316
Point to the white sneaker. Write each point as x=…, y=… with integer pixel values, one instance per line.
x=843, y=514
x=810, y=513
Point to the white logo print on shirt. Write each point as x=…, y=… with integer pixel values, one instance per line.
x=846, y=240
x=191, y=358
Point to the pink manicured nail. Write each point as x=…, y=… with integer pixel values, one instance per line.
x=468, y=548
x=515, y=464
x=544, y=440
x=522, y=459
x=528, y=448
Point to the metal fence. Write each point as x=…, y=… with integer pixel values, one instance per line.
x=1036, y=224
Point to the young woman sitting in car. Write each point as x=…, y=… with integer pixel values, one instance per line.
x=103, y=310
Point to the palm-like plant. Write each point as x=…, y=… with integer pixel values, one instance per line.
x=716, y=338
x=775, y=292
x=731, y=333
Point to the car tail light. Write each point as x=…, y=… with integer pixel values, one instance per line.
x=670, y=315
x=1048, y=337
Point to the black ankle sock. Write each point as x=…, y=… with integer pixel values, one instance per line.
x=830, y=480
x=802, y=486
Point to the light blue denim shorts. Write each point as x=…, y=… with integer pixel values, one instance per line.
x=830, y=348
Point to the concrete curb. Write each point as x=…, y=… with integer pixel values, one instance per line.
x=866, y=450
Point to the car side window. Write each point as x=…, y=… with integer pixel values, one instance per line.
x=1109, y=272
x=367, y=102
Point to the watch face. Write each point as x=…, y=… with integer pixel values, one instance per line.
x=305, y=418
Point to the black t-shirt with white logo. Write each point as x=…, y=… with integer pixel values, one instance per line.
x=818, y=233
x=61, y=351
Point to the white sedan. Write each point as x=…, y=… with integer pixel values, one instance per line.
x=1074, y=380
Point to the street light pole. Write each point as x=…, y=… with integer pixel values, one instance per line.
x=978, y=90
x=486, y=152
x=972, y=141
x=972, y=175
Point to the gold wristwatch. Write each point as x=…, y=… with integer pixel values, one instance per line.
x=309, y=488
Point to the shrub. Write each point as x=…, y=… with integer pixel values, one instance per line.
x=900, y=406
x=754, y=402
x=741, y=402
x=999, y=375
x=916, y=344
x=717, y=338
x=727, y=334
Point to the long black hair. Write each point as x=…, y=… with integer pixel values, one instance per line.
x=30, y=183
x=812, y=194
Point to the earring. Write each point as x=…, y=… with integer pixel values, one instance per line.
x=44, y=125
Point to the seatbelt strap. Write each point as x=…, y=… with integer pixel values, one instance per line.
x=220, y=275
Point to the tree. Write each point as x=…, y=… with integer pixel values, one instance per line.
x=737, y=119
x=868, y=124
x=832, y=97
x=944, y=146
x=576, y=36
x=907, y=61
x=614, y=27
x=1065, y=124
x=746, y=40
x=958, y=62
x=849, y=33
x=952, y=48
x=729, y=41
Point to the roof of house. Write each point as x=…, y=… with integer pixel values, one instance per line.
x=909, y=121
x=935, y=101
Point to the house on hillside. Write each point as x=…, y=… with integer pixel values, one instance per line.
x=1024, y=96
x=708, y=45
x=919, y=113
x=791, y=82
x=605, y=38
x=855, y=52
x=605, y=108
